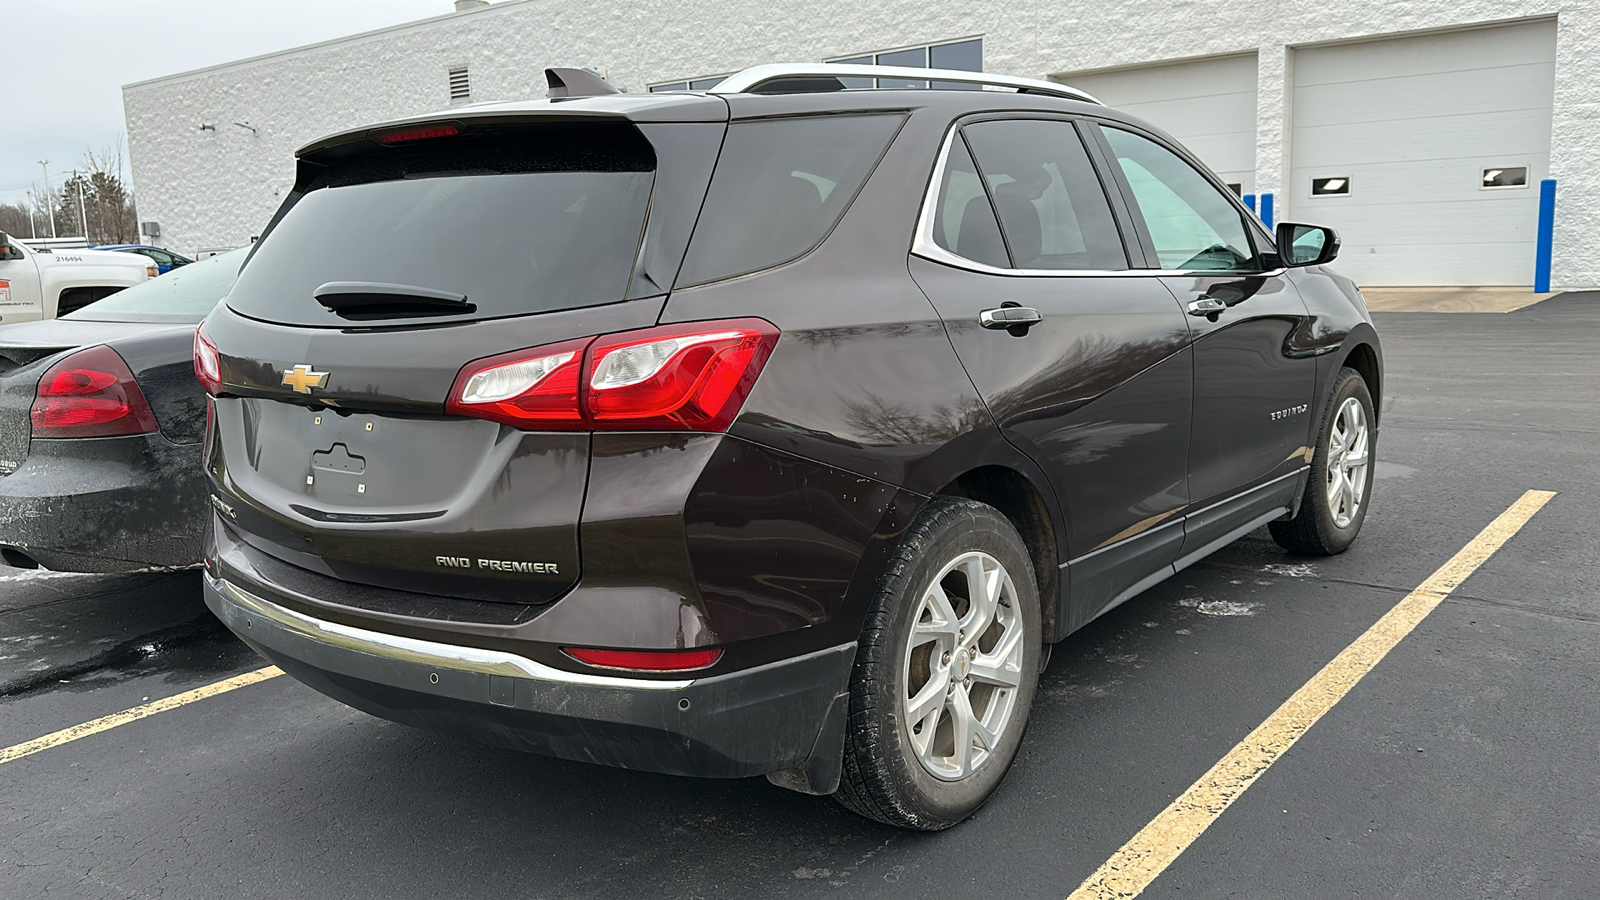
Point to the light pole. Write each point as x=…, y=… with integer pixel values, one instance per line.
x=83, y=217
x=33, y=222
x=45, y=164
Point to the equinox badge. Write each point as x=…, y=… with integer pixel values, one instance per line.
x=303, y=379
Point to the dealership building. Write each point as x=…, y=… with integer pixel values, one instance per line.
x=1422, y=131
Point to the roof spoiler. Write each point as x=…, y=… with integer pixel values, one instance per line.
x=576, y=83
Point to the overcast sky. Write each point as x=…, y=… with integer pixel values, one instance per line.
x=65, y=62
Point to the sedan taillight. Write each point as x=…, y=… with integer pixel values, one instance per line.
x=90, y=394
x=691, y=377
x=207, y=364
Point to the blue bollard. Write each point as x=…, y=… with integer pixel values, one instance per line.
x=1250, y=201
x=1266, y=209
x=1547, y=228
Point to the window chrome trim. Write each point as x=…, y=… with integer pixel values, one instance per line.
x=924, y=245
x=741, y=82
x=427, y=653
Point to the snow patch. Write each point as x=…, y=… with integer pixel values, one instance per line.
x=1291, y=570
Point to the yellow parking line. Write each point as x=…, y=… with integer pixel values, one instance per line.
x=1131, y=869
x=95, y=726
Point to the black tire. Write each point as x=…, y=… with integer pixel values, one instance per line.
x=1314, y=530
x=884, y=778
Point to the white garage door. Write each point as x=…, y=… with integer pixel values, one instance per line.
x=1412, y=147
x=1208, y=104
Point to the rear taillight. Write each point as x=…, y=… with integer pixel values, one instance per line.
x=692, y=377
x=646, y=660
x=534, y=389
x=90, y=394
x=207, y=365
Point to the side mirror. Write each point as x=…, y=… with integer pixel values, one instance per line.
x=1306, y=245
x=8, y=252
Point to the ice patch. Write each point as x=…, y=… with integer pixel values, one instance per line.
x=804, y=872
x=38, y=575
x=1226, y=608
x=1291, y=570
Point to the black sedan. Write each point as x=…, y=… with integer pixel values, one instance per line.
x=100, y=426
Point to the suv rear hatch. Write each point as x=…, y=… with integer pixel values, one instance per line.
x=403, y=255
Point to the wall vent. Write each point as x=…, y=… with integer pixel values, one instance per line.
x=460, y=86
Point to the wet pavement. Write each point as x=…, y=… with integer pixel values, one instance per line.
x=1465, y=765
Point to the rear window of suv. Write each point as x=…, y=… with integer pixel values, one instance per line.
x=539, y=219
x=780, y=187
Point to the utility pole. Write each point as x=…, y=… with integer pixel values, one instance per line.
x=45, y=164
x=83, y=217
x=33, y=222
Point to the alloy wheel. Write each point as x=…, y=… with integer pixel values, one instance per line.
x=1348, y=457
x=962, y=666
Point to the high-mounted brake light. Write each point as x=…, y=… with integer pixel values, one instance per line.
x=690, y=377
x=646, y=660
x=416, y=133
x=207, y=364
x=90, y=394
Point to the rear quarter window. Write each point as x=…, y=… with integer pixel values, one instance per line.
x=779, y=188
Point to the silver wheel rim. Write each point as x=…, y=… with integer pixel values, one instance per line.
x=962, y=666
x=1349, y=453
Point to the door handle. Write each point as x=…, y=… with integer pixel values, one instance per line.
x=1005, y=318
x=1210, y=307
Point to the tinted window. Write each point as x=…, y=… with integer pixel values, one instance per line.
x=780, y=186
x=547, y=218
x=1052, y=207
x=1192, y=224
x=182, y=295
x=964, y=220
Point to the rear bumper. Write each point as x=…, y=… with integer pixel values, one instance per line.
x=785, y=717
x=116, y=504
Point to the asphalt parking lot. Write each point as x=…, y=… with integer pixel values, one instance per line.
x=1466, y=764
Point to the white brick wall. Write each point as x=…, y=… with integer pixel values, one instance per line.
x=210, y=188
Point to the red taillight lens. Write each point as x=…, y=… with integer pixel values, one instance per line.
x=416, y=133
x=678, y=377
x=646, y=660
x=207, y=364
x=90, y=394
x=534, y=389
x=692, y=377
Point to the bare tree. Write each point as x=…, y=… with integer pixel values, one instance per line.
x=95, y=202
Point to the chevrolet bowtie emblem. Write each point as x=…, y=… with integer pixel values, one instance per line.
x=303, y=379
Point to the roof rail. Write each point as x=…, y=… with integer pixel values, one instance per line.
x=786, y=78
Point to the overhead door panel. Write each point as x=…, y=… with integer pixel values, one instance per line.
x=1209, y=105
x=1413, y=124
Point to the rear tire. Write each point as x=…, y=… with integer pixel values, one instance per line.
x=1339, y=486
x=944, y=674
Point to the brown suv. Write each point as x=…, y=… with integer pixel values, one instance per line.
x=778, y=430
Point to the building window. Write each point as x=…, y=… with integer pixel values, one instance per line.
x=1337, y=186
x=689, y=84
x=1505, y=177
x=964, y=56
x=460, y=86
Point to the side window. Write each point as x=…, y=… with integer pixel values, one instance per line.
x=779, y=187
x=1192, y=224
x=1052, y=207
x=964, y=221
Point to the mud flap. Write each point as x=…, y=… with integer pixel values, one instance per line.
x=822, y=769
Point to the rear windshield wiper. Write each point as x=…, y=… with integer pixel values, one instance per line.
x=375, y=300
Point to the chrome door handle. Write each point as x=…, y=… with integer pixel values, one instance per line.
x=1210, y=307
x=1004, y=317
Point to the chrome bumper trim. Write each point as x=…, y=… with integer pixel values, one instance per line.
x=425, y=653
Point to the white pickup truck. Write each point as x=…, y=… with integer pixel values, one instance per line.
x=43, y=284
